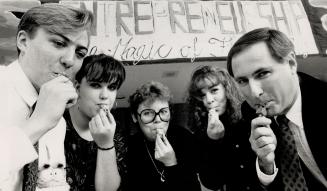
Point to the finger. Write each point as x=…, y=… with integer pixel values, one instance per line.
x=98, y=121
x=58, y=87
x=270, y=157
x=264, y=140
x=159, y=151
x=61, y=78
x=211, y=127
x=103, y=117
x=66, y=91
x=69, y=82
x=212, y=111
x=72, y=100
x=165, y=140
x=67, y=94
x=111, y=118
x=156, y=155
x=157, y=140
x=211, y=116
x=260, y=122
x=68, y=86
x=92, y=126
x=58, y=74
x=160, y=133
x=161, y=145
x=220, y=127
x=264, y=151
x=262, y=131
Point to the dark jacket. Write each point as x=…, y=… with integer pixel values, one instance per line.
x=142, y=174
x=314, y=100
x=229, y=162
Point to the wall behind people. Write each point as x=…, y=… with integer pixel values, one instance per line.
x=191, y=43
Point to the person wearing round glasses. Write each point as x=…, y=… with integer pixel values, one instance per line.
x=159, y=156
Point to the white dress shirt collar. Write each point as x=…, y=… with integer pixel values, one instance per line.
x=295, y=112
x=22, y=84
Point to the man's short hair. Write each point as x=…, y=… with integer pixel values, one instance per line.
x=279, y=45
x=55, y=18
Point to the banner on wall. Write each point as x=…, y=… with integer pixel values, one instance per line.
x=151, y=30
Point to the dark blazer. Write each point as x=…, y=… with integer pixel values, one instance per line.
x=314, y=101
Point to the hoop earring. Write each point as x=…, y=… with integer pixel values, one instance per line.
x=115, y=104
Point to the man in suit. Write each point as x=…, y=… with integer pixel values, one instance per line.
x=263, y=63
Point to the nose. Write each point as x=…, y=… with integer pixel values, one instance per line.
x=67, y=60
x=209, y=98
x=255, y=88
x=104, y=93
x=157, y=119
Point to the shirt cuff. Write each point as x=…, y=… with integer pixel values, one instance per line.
x=265, y=179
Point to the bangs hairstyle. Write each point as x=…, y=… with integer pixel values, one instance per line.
x=207, y=77
x=102, y=68
x=204, y=78
x=149, y=92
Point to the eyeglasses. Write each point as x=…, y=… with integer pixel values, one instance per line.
x=148, y=115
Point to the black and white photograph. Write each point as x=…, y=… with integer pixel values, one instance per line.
x=163, y=95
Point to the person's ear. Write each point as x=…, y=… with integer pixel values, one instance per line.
x=21, y=41
x=77, y=85
x=134, y=118
x=291, y=57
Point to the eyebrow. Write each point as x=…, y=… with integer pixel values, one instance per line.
x=69, y=40
x=214, y=85
x=252, y=74
x=258, y=71
x=154, y=109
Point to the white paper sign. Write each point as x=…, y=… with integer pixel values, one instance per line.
x=157, y=30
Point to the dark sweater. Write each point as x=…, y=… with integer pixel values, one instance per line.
x=142, y=174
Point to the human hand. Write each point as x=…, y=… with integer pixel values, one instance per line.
x=52, y=101
x=102, y=128
x=263, y=143
x=164, y=151
x=215, y=129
